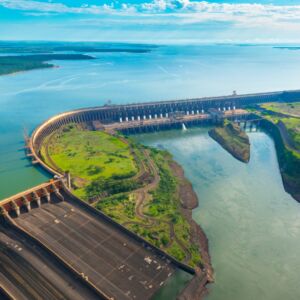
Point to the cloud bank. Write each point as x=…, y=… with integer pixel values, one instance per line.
x=278, y=21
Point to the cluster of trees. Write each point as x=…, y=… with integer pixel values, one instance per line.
x=12, y=64
x=110, y=186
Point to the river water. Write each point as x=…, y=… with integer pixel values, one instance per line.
x=252, y=225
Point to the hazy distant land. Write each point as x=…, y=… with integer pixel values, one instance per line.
x=39, y=53
x=13, y=64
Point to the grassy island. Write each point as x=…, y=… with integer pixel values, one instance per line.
x=135, y=185
x=232, y=139
x=18, y=63
x=282, y=121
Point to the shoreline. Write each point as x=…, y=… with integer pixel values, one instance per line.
x=289, y=183
x=196, y=289
x=235, y=142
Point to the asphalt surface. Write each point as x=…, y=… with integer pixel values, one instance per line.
x=110, y=259
x=29, y=272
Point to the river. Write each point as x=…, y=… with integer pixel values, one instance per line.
x=253, y=226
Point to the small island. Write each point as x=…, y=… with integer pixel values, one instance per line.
x=232, y=139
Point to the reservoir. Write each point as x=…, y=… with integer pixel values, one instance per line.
x=252, y=225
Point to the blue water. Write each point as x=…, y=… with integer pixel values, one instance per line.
x=251, y=223
x=168, y=72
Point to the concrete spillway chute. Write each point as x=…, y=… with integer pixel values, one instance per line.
x=15, y=207
x=36, y=198
x=57, y=193
x=46, y=194
x=26, y=203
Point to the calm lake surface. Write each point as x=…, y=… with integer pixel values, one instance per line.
x=252, y=225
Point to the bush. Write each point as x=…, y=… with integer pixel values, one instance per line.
x=93, y=170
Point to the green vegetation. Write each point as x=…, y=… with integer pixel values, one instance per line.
x=13, y=64
x=120, y=207
x=95, y=159
x=161, y=213
x=281, y=122
x=51, y=47
x=131, y=183
x=290, y=109
x=232, y=139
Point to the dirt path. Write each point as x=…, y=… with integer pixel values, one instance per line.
x=142, y=197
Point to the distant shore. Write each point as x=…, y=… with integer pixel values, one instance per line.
x=21, y=63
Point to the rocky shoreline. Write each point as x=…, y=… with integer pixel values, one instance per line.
x=196, y=289
x=289, y=164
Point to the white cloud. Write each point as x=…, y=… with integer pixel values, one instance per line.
x=175, y=12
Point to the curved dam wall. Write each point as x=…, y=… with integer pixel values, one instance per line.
x=143, y=111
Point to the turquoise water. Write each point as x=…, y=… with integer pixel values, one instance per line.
x=252, y=224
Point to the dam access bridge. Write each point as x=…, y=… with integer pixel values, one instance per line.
x=88, y=255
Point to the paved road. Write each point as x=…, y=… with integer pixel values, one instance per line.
x=29, y=272
x=109, y=258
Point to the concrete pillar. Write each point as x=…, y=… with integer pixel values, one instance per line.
x=46, y=194
x=139, y=118
x=57, y=193
x=233, y=107
x=224, y=108
x=193, y=112
x=3, y=212
x=202, y=111
x=15, y=208
x=126, y=119
x=187, y=113
x=150, y=117
x=229, y=107
x=132, y=118
x=36, y=198
x=161, y=115
x=155, y=116
x=167, y=115
x=121, y=120
x=144, y=117
x=26, y=203
x=197, y=111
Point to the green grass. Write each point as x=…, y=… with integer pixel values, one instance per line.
x=292, y=109
x=293, y=127
x=91, y=157
x=233, y=139
x=165, y=205
x=288, y=154
x=120, y=207
x=104, y=165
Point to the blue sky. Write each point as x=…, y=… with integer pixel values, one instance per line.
x=152, y=21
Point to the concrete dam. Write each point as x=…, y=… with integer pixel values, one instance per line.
x=144, y=114
x=80, y=245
